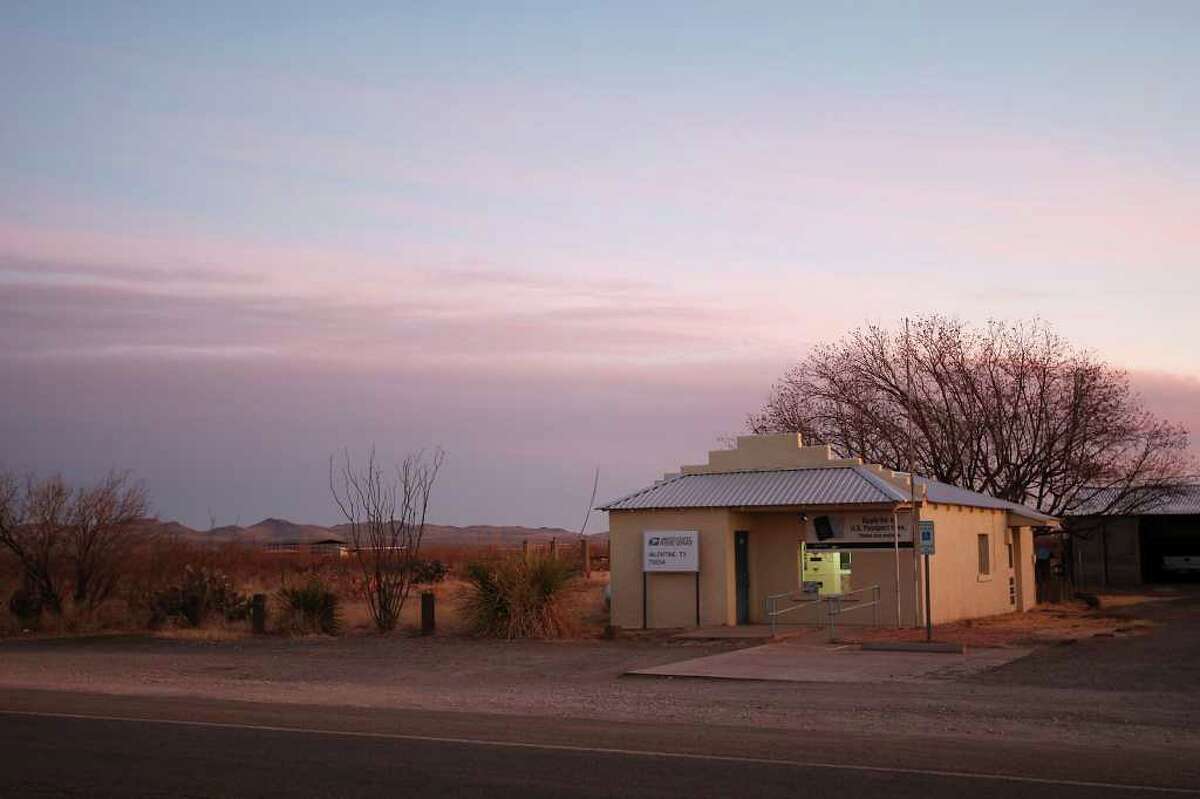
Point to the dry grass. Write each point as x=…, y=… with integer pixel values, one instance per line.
x=1112, y=601
x=1067, y=621
x=211, y=632
x=585, y=602
x=158, y=563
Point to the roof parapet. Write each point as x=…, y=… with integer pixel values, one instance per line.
x=762, y=453
x=787, y=451
x=897, y=479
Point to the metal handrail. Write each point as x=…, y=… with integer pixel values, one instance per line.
x=773, y=611
x=833, y=606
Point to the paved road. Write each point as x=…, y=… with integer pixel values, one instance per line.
x=59, y=744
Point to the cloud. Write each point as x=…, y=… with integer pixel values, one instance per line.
x=250, y=437
x=18, y=268
x=1174, y=397
x=486, y=320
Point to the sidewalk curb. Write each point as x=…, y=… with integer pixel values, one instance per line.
x=914, y=646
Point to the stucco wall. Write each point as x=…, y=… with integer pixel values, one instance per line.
x=783, y=451
x=1027, y=573
x=672, y=600
x=958, y=590
x=774, y=568
x=878, y=567
x=774, y=538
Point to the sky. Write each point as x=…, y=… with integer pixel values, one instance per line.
x=553, y=238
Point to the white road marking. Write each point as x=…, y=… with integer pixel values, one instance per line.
x=602, y=750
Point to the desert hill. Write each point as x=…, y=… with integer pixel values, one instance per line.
x=280, y=531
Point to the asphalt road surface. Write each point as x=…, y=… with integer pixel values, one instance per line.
x=60, y=744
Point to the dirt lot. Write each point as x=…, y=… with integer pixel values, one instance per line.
x=1057, y=623
x=1139, y=690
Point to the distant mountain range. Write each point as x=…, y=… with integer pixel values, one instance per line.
x=282, y=531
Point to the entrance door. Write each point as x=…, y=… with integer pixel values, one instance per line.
x=741, y=568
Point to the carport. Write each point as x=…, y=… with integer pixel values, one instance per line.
x=1158, y=544
x=1170, y=548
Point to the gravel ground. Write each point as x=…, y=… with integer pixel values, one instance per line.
x=1166, y=661
x=1136, y=691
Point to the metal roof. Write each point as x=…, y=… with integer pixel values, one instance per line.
x=1183, y=500
x=945, y=493
x=851, y=485
x=839, y=485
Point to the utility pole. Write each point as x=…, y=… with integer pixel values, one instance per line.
x=914, y=520
x=896, y=550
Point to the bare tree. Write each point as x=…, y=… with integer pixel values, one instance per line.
x=385, y=517
x=102, y=525
x=33, y=515
x=1012, y=410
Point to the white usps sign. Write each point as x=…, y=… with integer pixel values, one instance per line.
x=671, y=551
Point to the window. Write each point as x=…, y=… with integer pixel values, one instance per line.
x=1010, y=555
x=985, y=555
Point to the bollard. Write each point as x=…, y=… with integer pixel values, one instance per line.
x=258, y=613
x=428, y=624
x=585, y=558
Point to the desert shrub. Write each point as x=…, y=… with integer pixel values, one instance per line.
x=428, y=571
x=512, y=597
x=200, y=594
x=311, y=607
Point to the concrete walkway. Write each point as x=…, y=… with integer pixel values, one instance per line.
x=793, y=661
x=752, y=631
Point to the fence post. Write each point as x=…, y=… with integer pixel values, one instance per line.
x=585, y=558
x=525, y=548
x=428, y=624
x=553, y=549
x=258, y=613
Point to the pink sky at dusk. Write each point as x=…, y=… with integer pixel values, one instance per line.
x=220, y=264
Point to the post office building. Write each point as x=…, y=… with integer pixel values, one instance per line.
x=773, y=530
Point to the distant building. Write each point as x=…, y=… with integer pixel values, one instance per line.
x=773, y=524
x=332, y=547
x=1156, y=544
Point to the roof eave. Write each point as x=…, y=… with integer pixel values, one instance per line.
x=793, y=508
x=1019, y=519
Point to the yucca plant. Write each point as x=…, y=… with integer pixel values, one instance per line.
x=313, y=607
x=513, y=597
x=200, y=593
